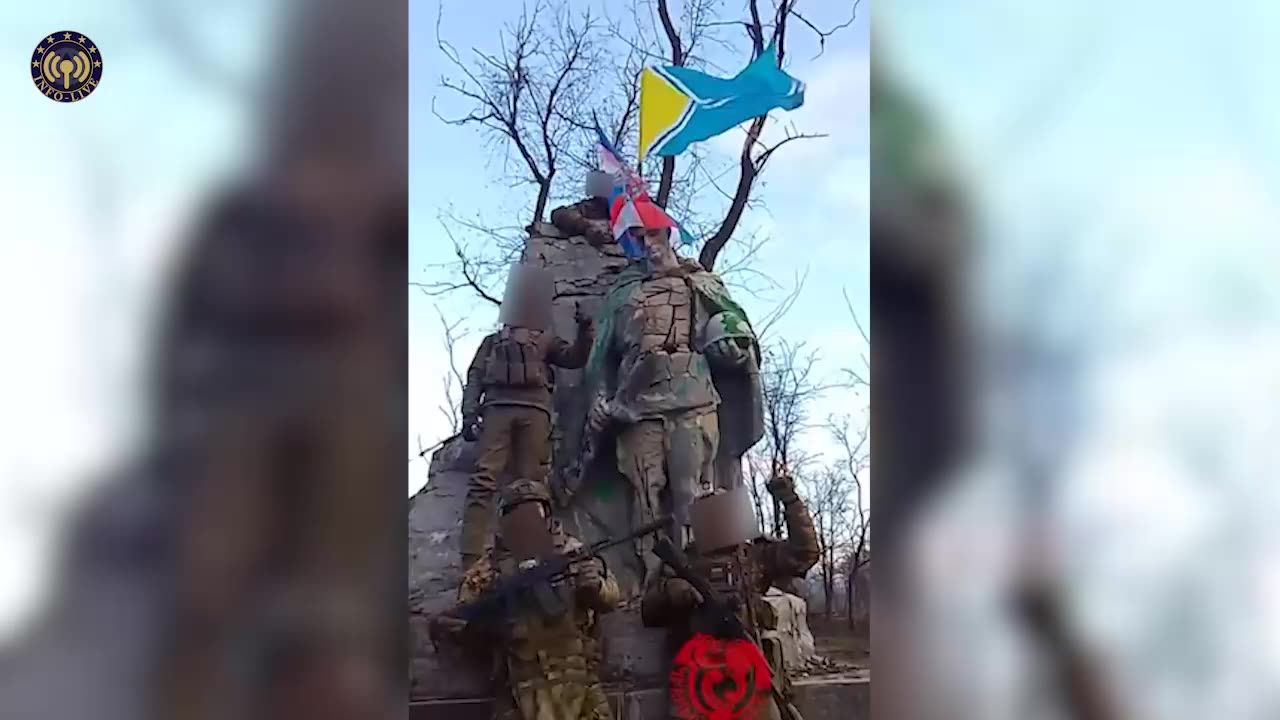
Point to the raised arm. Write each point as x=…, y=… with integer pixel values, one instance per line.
x=800, y=551
x=574, y=356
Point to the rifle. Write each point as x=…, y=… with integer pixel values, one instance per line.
x=718, y=615
x=545, y=573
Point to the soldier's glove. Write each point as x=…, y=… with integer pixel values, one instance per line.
x=682, y=595
x=588, y=577
x=782, y=487
x=600, y=416
x=470, y=427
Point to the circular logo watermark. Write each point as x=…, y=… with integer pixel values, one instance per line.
x=66, y=66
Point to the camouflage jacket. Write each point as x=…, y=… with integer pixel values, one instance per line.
x=551, y=666
x=744, y=573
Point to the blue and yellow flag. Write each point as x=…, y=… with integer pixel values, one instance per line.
x=679, y=106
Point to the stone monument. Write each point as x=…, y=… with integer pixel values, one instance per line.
x=442, y=685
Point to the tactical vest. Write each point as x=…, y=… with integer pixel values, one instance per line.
x=660, y=372
x=546, y=652
x=736, y=576
x=517, y=358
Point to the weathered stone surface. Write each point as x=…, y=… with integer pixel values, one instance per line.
x=583, y=274
x=787, y=621
x=634, y=657
x=842, y=698
x=435, y=521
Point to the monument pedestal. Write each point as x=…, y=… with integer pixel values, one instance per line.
x=635, y=658
x=830, y=698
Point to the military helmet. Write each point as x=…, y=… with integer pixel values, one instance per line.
x=522, y=491
x=726, y=326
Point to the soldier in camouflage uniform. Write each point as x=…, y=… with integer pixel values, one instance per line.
x=670, y=338
x=590, y=217
x=549, y=665
x=740, y=565
x=509, y=380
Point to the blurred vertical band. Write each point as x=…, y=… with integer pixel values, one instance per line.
x=250, y=562
x=281, y=389
x=919, y=240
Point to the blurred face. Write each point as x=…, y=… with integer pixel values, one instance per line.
x=656, y=243
x=526, y=529
x=650, y=238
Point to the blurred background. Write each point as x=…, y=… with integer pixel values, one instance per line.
x=1098, y=538
x=95, y=195
x=204, y=373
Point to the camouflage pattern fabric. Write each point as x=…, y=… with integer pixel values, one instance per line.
x=515, y=433
x=743, y=573
x=550, y=667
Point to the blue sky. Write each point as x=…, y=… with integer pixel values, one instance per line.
x=816, y=193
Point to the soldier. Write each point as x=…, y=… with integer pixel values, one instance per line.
x=590, y=217
x=740, y=565
x=671, y=339
x=550, y=660
x=509, y=381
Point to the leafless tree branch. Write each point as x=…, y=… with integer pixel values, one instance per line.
x=824, y=34
x=453, y=381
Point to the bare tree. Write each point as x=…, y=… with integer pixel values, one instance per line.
x=853, y=440
x=528, y=96
x=834, y=494
x=755, y=155
x=790, y=386
x=853, y=464
x=757, y=474
x=452, y=382
x=556, y=72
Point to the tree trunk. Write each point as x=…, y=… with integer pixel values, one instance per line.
x=848, y=592
x=826, y=589
x=544, y=193
x=666, y=182
x=755, y=499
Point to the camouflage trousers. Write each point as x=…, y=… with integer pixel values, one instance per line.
x=564, y=701
x=515, y=442
x=668, y=462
